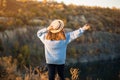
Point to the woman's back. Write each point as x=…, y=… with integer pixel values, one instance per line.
x=55, y=50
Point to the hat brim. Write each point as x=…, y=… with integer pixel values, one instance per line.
x=56, y=31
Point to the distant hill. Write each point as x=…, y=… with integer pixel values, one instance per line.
x=10, y=5
x=102, y=19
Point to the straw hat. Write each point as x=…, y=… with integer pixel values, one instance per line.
x=57, y=26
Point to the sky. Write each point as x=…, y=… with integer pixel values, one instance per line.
x=101, y=3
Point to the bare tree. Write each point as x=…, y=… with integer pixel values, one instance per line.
x=3, y=3
x=45, y=1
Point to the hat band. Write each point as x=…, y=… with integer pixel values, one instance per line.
x=59, y=25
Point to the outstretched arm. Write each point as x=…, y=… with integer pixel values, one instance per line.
x=86, y=27
x=70, y=36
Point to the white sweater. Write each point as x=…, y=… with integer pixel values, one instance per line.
x=55, y=51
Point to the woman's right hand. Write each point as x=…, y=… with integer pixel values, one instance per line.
x=49, y=28
x=86, y=27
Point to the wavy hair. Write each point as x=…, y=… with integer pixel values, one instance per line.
x=56, y=36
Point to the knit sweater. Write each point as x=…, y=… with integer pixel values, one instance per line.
x=55, y=50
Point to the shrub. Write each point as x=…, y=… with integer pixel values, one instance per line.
x=24, y=56
x=8, y=68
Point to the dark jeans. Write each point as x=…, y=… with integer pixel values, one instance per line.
x=53, y=68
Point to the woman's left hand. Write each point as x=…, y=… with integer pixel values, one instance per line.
x=86, y=27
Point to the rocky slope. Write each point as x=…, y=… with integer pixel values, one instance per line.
x=92, y=46
x=17, y=38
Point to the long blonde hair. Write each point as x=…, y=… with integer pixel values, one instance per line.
x=56, y=36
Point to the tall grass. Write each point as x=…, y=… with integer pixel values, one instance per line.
x=9, y=71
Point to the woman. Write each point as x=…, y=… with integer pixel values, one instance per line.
x=55, y=42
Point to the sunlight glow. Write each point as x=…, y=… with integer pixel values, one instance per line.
x=101, y=3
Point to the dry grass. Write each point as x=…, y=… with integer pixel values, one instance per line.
x=8, y=71
x=75, y=73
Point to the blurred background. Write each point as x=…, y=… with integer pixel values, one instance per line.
x=96, y=53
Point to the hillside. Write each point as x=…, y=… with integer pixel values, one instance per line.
x=21, y=51
x=19, y=23
x=39, y=14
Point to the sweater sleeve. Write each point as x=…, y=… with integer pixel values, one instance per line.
x=41, y=34
x=70, y=36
